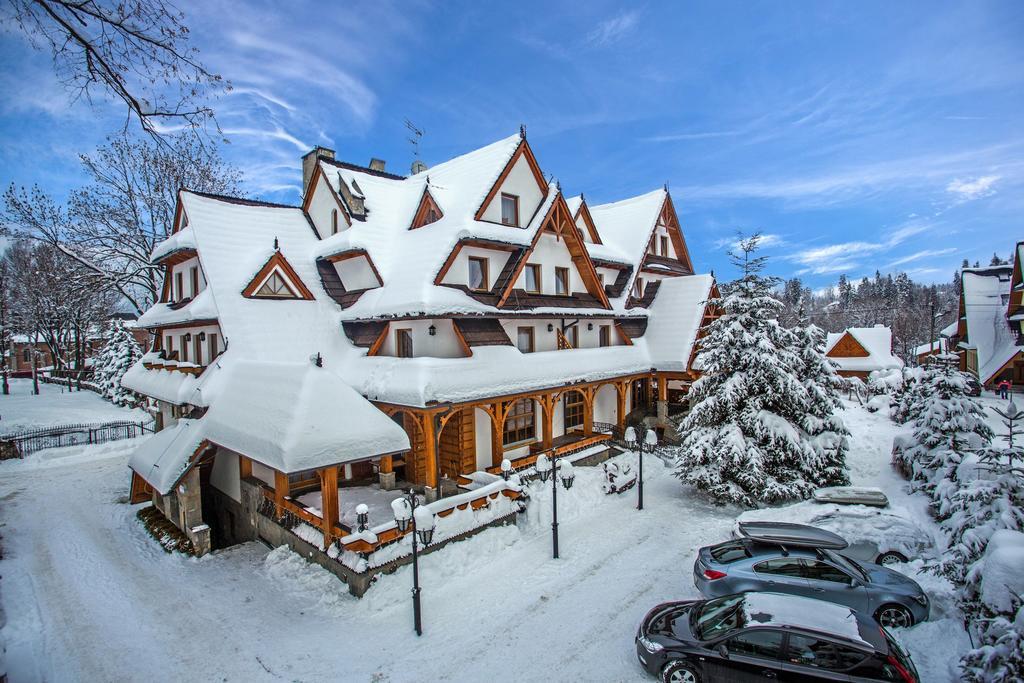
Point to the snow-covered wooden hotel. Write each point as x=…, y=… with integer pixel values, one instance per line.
x=401, y=330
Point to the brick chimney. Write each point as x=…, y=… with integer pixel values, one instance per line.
x=377, y=164
x=309, y=164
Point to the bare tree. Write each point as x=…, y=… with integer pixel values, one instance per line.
x=110, y=226
x=136, y=51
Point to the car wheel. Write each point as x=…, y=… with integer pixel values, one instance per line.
x=894, y=616
x=678, y=671
x=890, y=557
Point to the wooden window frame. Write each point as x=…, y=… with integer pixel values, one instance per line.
x=400, y=334
x=334, y=221
x=573, y=408
x=211, y=339
x=484, y=269
x=638, y=288
x=169, y=346
x=179, y=280
x=197, y=349
x=562, y=274
x=604, y=336
x=572, y=335
x=515, y=206
x=663, y=239
x=533, y=339
x=520, y=425
x=193, y=276
x=538, y=274
x=183, y=354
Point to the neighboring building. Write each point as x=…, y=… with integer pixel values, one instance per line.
x=21, y=346
x=859, y=351
x=394, y=329
x=989, y=335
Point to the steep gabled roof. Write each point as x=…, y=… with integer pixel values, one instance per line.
x=580, y=211
x=423, y=214
x=862, y=349
x=524, y=152
x=277, y=266
x=988, y=331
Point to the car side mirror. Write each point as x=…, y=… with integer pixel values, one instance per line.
x=724, y=651
x=856, y=583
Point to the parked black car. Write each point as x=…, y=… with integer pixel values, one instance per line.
x=973, y=387
x=768, y=636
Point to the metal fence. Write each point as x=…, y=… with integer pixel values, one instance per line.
x=28, y=442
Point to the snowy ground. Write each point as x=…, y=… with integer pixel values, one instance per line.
x=55, y=404
x=89, y=596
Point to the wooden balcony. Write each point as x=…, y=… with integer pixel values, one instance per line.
x=567, y=444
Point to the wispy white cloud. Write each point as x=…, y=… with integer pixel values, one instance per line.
x=843, y=257
x=767, y=240
x=917, y=256
x=973, y=189
x=613, y=29
x=678, y=137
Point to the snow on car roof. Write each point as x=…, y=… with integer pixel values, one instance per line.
x=777, y=609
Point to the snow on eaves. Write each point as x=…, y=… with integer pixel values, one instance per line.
x=625, y=228
x=675, y=318
x=201, y=308
x=174, y=387
x=877, y=341
x=163, y=458
x=179, y=241
x=988, y=330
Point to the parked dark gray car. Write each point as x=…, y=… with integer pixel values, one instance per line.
x=746, y=564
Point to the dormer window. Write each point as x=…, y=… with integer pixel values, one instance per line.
x=664, y=245
x=334, y=221
x=478, y=279
x=562, y=281
x=276, y=287
x=533, y=278
x=510, y=209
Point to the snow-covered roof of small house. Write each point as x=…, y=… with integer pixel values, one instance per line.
x=937, y=346
x=988, y=330
x=163, y=458
x=876, y=341
x=676, y=315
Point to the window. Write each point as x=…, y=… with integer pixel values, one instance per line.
x=573, y=336
x=664, y=245
x=178, y=280
x=25, y=355
x=169, y=346
x=184, y=350
x=478, y=278
x=524, y=339
x=757, y=643
x=822, y=571
x=275, y=287
x=562, y=281
x=605, y=335
x=572, y=404
x=519, y=425
x=334, y=221
x=780, y=567
x=197, y=349
x=432, y=215
x=509, y=209
x=212, y=338
x=403, y=343
x=533, y=278
x=729, y=552
x=638, y=288
x=821, y=653
x=194, y=278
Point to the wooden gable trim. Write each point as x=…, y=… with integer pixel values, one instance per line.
x=463, y=344
x=179, y=214
x=625, y=338
x=588, y=220
x=277, y=261
x=1016, y=279
x=848, y=347
x=560, y=221
x=379, y=341
x=318, y=174
x=427, y=202
x=669, y=217
x=482, y=244
x=523, y=150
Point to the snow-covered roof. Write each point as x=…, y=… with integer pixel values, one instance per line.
x=676, y=315
x=163, y=458
x=181, y=240
x=877, y=341
x=625, y=227
x=777, y=609
x=940, y=345
x=988, y=330
x=201, y=308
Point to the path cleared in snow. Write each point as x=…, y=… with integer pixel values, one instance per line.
x=89, y=596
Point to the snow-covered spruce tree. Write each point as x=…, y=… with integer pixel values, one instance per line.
x=742, y=440
x=950, y=423
x=827, y=433
x=118, y=354
x=999, y=658
x=910, y=399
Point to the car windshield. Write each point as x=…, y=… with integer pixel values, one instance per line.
x=848, y=564
x=716, y=617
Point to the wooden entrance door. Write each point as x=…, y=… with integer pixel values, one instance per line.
x=458, y=445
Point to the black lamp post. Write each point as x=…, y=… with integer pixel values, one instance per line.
x=422, y=519
x=650, y=442
x=550, y=467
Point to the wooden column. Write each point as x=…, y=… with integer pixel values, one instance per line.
x=429, y=451
x=497, y=412
x=621, y=388
x=281, y=489
x=547, y=405
x=386, y=464
x=588, y=410
x=329, y=502
x=662, y=388
x=244, y=467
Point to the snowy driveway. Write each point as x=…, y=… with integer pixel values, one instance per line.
x=88, y=596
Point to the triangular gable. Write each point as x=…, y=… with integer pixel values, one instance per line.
x=314, y=183
x=277, y=280
x=848, y=347
x=584, y=212
x=670, y=220
x=523, y=151
x=427, y=212
x=559, y=221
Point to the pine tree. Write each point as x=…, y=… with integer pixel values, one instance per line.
x=742, y=442
x=119, y=354
x=827, y=433
x=999, y=658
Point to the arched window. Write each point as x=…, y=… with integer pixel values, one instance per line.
x=519, y=425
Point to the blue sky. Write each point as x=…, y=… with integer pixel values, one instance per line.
x=854, y=135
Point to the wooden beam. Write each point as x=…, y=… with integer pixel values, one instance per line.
x=281, y=489
x=621, y=389
x=588, y=410
x=429, y=452
x=329, y=502
x=244, y=467
x=387, y=464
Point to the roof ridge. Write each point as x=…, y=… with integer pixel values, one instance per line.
x=240, y=200
x=635, y=198
x=361, y=169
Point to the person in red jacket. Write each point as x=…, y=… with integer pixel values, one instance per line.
x=1004, y=388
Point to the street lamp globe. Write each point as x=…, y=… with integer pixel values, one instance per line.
x=543, y=466
x=425, y=521
x=630, y=438
x=362, y=516
x=506, y=469
x=403, y=513
x=567, y=473
x=651, y=439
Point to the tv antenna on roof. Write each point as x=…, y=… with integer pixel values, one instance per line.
x=415, y=138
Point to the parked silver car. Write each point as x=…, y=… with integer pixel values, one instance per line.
x=800, y=560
